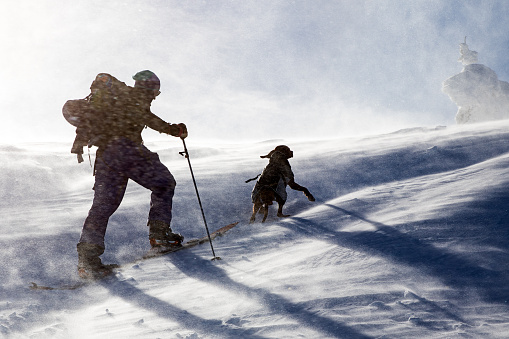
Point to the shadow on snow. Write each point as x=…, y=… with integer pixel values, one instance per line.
x=205, y=270
x=167, y=311
x=486, y=221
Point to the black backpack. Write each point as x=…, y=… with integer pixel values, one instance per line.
x=94, y=116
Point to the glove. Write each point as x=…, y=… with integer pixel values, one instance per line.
x=178, y=130
x=183, y=135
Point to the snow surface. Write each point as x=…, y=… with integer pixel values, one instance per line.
x=408, y=238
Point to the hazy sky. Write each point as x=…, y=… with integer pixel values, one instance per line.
x=247, y=70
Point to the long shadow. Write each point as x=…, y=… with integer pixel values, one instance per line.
x=34, y=266
x=386, y=241
x=205, y=270
x=24, y=261
x=46, y=260
x=483, y=221
x=165, y=310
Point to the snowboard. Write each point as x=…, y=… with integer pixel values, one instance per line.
x=152, y=253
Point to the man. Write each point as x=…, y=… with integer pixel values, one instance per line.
x=121, y=156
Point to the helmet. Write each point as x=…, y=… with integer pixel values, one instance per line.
x=147, y=80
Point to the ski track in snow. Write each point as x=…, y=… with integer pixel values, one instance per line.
x=408, y=237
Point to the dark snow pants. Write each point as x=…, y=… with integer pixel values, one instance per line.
x=120, y=161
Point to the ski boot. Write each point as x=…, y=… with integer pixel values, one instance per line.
x=161, y=236
x=90, y=266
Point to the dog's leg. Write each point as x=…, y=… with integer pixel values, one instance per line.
x=265, y=212
x=266, y=198
x=280, y=211
x=297, y=187
x=256, y=207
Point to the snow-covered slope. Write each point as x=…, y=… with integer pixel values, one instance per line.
x=409, y=237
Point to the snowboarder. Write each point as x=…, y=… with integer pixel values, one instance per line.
x=271, y=184
x=121, y=156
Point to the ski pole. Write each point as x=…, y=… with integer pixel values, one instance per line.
x=186, y=154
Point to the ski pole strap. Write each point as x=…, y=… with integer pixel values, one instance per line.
x=249, y=180
x=181, y=131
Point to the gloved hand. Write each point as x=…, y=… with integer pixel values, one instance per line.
x=183, y=135
x=178, y=130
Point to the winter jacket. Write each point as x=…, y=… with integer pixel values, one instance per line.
x=127, y=117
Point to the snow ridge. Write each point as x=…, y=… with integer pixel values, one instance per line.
x=408, y=238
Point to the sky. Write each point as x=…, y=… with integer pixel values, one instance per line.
x=247, y=70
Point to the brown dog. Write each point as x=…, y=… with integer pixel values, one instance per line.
x=271, y=185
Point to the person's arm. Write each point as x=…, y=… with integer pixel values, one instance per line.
x=136, y=103
x=158, y=124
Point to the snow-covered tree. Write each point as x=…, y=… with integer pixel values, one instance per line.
x=479, y=94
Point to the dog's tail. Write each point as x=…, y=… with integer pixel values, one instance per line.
x=249, y=180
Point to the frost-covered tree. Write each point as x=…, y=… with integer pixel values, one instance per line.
x=479, y=94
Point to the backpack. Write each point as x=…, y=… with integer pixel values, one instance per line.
x=94, y=116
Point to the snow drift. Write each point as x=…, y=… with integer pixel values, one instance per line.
x=408, y=237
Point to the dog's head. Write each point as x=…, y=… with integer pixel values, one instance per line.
x=283, y=149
